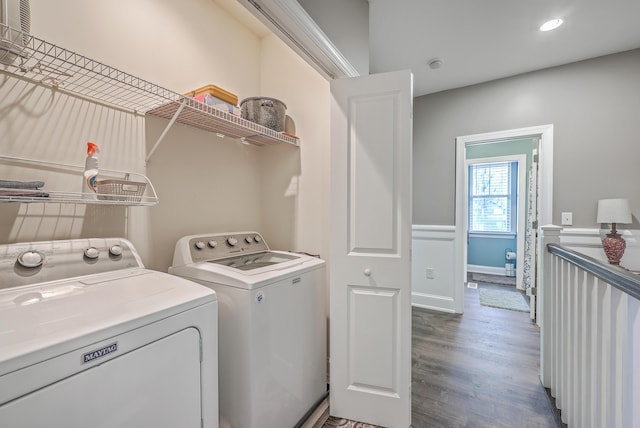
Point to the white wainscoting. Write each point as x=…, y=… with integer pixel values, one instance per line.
x=433, y=249
x=589, y=242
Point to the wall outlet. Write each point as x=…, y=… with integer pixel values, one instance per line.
x=567, y=219
x=430, y=273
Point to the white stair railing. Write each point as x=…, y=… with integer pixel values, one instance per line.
x=590, y=337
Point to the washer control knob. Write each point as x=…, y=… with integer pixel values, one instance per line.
x=199, y=245
x=212, y=244
x=257, y=238
x=115, y=250
x=91, y=253
x=30, y=259
x=232, y=242
x=248, y=239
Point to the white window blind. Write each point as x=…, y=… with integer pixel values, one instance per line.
x=490, y=197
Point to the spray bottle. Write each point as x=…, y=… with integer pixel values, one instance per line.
x=90, y=172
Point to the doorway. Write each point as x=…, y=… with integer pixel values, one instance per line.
x=543, y=200
x=496, y=207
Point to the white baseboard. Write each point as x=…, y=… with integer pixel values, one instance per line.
x=489, y=270
x=429, y=301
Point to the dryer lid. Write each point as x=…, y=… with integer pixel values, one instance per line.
x=37, y=318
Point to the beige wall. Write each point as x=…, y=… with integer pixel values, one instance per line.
x=593, y=106
x=296, y=181
x=204, y=183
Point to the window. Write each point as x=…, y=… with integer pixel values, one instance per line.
x=492, y=196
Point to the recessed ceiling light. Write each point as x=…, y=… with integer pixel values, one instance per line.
x=551, y=24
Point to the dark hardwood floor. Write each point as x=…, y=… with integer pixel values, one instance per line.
x=479, y=369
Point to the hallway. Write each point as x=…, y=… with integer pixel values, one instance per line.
x=479, y=369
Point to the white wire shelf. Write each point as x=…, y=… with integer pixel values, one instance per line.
x=47, y=64
x=44, y=195
x=51, y=65
x=69, y=198
x=200, y=115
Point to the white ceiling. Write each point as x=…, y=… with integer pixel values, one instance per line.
x=483, y=40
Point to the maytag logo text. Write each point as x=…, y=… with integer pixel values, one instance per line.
x=105, y=350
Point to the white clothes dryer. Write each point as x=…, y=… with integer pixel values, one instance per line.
x=90, y=338
x=272, y=326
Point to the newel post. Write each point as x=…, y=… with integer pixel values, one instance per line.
x=550, y=234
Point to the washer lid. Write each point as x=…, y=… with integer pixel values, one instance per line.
x=256, y=261
x=259, y=276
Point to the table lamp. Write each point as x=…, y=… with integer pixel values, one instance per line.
x=614, y=211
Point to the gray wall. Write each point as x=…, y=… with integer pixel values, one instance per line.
x=594, y=106
x=346, y=24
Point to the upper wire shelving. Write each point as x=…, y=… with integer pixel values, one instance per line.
x=48, y=64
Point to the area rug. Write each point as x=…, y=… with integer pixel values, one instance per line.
x=493, y=279
x=333, y=422
x=503, y=299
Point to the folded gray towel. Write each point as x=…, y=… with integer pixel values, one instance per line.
x=11, y=184
x=24, y=192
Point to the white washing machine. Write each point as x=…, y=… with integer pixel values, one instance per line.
x=272, y=326
x=90, y=338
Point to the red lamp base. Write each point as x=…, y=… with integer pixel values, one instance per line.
x=614, y=246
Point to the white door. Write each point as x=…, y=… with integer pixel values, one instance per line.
x=370, y=264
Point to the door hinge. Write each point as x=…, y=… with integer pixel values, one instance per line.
x=535, y=158
x=535, y=224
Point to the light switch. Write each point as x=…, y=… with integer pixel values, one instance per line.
x=567, y=219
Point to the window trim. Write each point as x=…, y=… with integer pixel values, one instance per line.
x=522, y=188
x=496, y=235
x=509, y=196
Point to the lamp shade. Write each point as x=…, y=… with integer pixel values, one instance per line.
x=614, y=211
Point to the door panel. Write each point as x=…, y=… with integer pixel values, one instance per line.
x=371, y=175
x=372, y=360
x=370, y=271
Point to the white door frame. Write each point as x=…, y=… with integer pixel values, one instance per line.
x=545, y=191
x=521, y=203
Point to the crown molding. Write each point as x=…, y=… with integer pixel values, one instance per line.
x=288, y=20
